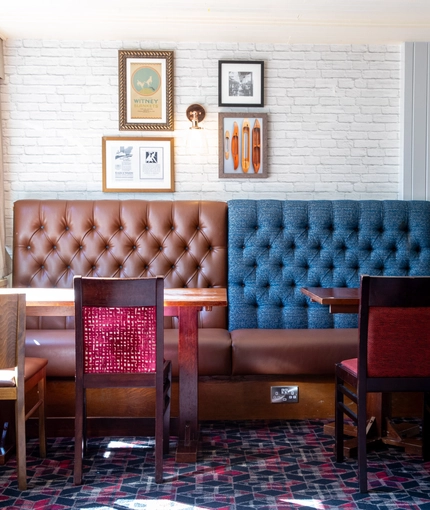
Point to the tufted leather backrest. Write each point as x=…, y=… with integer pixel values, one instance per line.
x=185, y=241
x=277, y=247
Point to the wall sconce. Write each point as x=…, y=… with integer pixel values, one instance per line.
x=196, y=139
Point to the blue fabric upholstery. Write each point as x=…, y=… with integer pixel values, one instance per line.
x=276, y=247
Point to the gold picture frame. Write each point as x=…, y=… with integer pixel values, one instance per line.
x=140, y=164
x=145, y=90
x=242, y=145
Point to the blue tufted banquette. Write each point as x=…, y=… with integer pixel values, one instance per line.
x=277, y=247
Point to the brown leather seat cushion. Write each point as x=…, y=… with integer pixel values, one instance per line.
x=214, y=351
x=59, y=347
x=291, y=351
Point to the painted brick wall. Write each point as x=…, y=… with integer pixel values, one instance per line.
x=333, y=132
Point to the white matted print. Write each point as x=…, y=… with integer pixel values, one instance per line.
x=138, y=164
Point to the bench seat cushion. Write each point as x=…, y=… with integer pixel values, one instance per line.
x=291, y=351
x=59, y=347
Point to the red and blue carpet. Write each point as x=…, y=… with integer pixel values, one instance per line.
x=242, y=465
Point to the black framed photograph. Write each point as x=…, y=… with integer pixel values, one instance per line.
x=242, y=145
x=240, y=83
x=145, y=90
x=137, y=164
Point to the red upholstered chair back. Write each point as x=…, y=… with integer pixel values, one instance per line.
x=119, y=340
x=119, y=325
x=394, y=327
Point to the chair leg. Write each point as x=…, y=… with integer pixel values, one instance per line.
x=21, y=454
x=339, y=421
x=79, y=422
x=159, y=433
x=41, y=386
x=167, y=400
x=362, y=441
x=426, y=427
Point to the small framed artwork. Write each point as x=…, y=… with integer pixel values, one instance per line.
x=242, y=145
x=137, y=164
x=145, y=90
x=240, y=83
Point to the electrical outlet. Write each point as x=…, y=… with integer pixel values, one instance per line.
x=284, y=394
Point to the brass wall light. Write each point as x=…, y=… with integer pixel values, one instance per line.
x=196, y=139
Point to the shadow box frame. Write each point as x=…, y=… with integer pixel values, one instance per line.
x=138, y=164
x=145, y=84
x=226, y=165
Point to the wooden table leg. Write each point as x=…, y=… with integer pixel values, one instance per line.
x=188, y=385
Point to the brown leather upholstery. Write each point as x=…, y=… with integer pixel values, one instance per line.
x=186, y=241
x=291, y=351
x=59, y=346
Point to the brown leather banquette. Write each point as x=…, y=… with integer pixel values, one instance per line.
x=185, y=241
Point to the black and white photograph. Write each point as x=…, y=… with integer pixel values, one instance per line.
x=240, y=83
x=137, y=164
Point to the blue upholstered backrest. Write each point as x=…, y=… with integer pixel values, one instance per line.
x=277, y=247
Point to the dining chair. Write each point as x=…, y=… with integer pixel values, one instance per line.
x=120, y=343
x=393, y=355
x=18, y=375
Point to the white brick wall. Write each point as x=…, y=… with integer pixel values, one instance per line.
x=333, y=131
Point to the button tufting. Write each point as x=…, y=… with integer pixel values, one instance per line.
x=41, y=227
x=54, y=247
x=28, y=247
x=107, y=247
x=120, y=266
x=121, y=227
x=94, y=227
x=94, y=267
x=67, y=228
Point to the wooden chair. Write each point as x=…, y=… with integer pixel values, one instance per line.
x=19, y=375
x=394, y=355
x=120, y=343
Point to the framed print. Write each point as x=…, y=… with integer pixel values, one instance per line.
x=240, y=83
x=145, y=90
x=243, y=145
x=137, y=164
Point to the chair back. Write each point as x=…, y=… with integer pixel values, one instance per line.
x=394, y=327
x=12, y=331
x=119, y=325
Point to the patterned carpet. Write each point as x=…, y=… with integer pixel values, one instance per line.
x=242, y=465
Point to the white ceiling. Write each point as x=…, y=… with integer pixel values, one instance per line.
x=286, y=21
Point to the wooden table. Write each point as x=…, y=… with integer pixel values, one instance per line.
x=182, y=303
x=380, y=428
x=339, y=300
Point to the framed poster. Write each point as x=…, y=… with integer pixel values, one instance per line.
x=240, y=83
x=145, y=90
x=137, y=164
x=242, y=145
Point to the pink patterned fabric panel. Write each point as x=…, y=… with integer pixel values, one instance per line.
x=119, y=340
x=399, y=342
